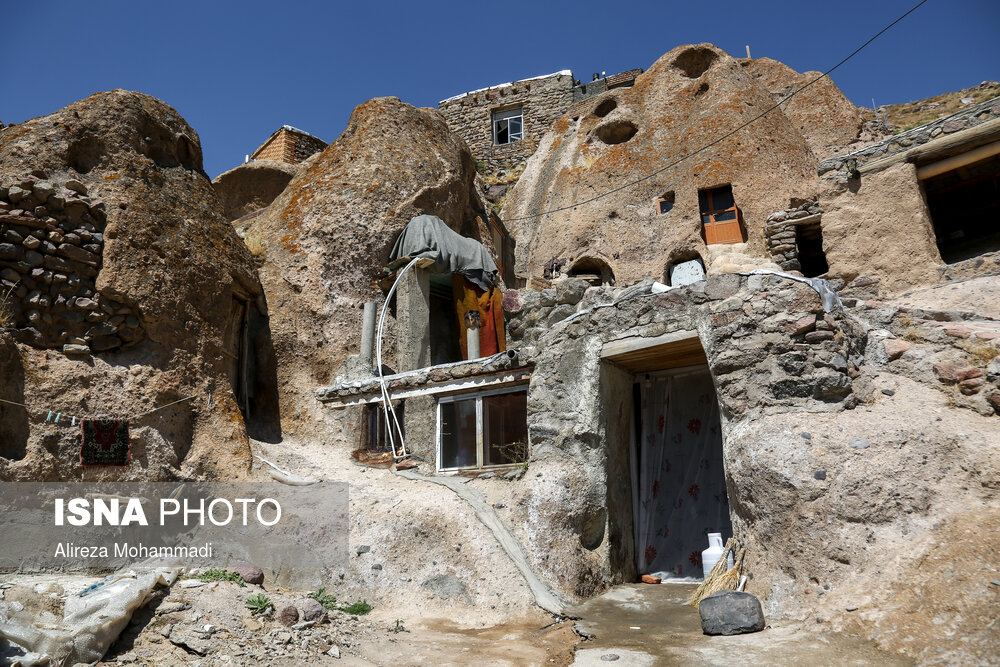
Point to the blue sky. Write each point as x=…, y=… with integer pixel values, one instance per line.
x=239, y=70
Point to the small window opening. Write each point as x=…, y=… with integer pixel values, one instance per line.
x=376, y=440
x=685, y=271
x=508, y=126
x=665, y=203
x=595, y=271
x=809, y=242
x=964, y=205
x=483, y=430
x=616, y=131
x=720, y=217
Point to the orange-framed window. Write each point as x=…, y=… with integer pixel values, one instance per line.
x=720, y=217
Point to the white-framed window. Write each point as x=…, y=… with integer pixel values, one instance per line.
x=486, y=429
x=508, y=126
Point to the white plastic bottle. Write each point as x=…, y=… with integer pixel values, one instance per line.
x=711, y=555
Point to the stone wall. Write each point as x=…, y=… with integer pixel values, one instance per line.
x=779, y=233
x=965, y=119
x=51, y=245
x=542, y=100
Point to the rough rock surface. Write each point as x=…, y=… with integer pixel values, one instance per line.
x=731, y=613
x=330, y=232
x=822, y=113
x=687, y=99
x=252, y=186
x=123, y=169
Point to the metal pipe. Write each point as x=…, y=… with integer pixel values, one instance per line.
x=472, y=341
x=368, y=332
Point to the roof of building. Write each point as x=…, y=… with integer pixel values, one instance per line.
x=563, y=72
x=286, y=128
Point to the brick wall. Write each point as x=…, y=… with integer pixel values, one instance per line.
x=287, y=146
x=542, y=101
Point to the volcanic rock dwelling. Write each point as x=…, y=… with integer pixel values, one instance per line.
x=790, y=337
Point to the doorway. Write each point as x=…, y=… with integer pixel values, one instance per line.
x=964, y=204
x=664, y=443
x=679, y=484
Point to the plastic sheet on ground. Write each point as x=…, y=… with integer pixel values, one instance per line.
x=90, y=624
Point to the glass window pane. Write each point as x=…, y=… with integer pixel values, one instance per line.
x=666, y=205
x=725, y=215
x=706, y=219
x=458, y=434
x=702, y=200
x=501, y=132
x=722, y=198
x=515, y=125
x=505, y=428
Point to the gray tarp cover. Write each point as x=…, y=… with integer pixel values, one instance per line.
x=427, y=236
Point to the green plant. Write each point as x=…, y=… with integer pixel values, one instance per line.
x=398, y=627
x=258, y=604
x=324, y=598
x=359, y=608
x=480, y=165
x=514, y=452
x=218, y=574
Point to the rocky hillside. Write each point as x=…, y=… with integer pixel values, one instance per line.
x=908, y=115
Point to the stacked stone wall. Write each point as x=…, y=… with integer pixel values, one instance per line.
x=51, y=247
x=779, y=233
x=542, y=102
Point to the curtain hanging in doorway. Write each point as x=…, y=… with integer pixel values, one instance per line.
x=489, y=305
x=681, y=484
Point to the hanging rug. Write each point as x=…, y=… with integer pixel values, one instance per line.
x=104, y=442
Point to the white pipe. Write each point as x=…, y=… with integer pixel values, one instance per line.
x=386, y=398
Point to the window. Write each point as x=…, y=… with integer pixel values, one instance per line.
x=376, y=440
x=508, y=126
x=665, y=203
x=720, y=216
x=483, y=430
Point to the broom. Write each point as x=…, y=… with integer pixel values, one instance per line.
x=720, y=578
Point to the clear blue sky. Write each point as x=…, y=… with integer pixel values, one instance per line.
x=239, y=70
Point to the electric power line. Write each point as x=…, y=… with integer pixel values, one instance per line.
x=723, y=137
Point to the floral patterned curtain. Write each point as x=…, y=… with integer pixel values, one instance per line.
x=680, y=479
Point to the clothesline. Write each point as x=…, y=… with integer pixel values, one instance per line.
x=74, y=418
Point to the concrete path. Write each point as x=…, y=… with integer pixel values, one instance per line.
x=544, y=597
x=651, y=625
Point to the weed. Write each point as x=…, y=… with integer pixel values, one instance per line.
x=980, y=350
x=7, y=308
x=905, y=320
x=514, y=452
x=324, y=598
x=359, y=608
x=912, y=335
x=258, y=604
x=254, y=241
x=398, y=627
x=218, y=574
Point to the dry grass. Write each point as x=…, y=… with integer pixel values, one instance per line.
x=980, y=350
x=912, y=335
x=504, y=177
x=7, y=308
x=254, y=241
x=909, y=115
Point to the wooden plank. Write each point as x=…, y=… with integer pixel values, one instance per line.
x=646, y=355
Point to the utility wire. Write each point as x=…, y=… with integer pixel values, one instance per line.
x=69, y=416
x=723, y=137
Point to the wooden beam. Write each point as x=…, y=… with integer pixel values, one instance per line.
x=958, y=161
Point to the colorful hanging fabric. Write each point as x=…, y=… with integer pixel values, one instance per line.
x=105, y=442
x=492, y=335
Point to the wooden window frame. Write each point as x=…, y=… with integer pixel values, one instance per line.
x=711, y=212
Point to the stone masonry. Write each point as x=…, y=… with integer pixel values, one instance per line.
x=542, y=100
x=779, y=233
x=51, y=244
